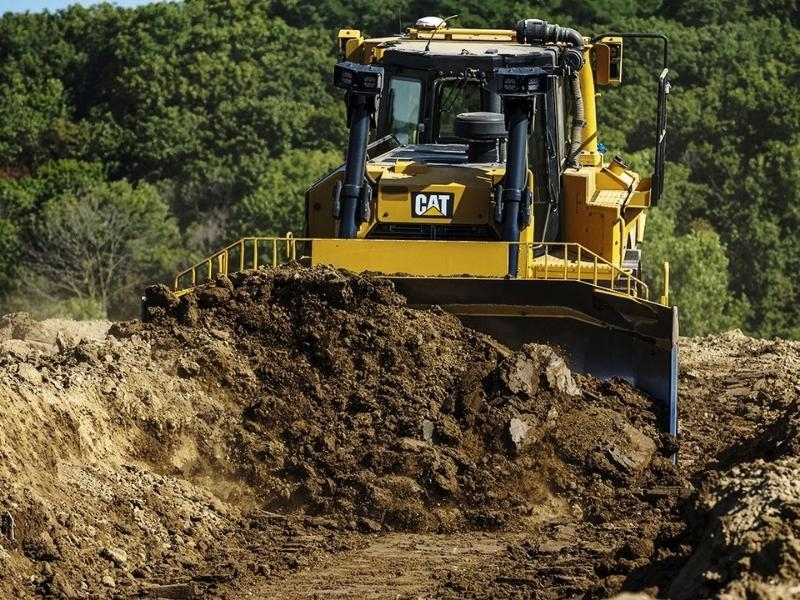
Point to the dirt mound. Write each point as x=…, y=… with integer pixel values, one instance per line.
x=739, y=400
x=357, y=407
x=20, y=334
x=750, y=541
x=278, y=419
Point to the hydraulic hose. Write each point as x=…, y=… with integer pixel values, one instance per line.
x=578, y=122
x=538, y=32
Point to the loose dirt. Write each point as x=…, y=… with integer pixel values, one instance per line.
x=297, y=433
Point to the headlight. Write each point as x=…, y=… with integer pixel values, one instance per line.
x=534, y=84
x=370, y=81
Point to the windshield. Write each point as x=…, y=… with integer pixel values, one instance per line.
x=404, y=95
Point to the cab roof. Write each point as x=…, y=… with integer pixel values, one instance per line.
x=450, y=54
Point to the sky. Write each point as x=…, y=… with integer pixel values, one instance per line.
x=53, y=5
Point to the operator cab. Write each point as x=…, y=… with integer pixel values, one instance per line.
x=428, y=83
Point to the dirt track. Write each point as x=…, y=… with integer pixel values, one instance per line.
x=297, y=434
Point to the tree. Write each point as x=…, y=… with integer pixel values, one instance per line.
x=102, y=244
x=71, y=236
x=277, y=204
x=700, y=282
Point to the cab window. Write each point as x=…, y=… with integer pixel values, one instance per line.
x=455, y=96
x=404, y=95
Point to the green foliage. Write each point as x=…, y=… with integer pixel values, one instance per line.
x=204, y=88
x=700, y=12
x=699, y=282
x=276, y=205
x=84, y=243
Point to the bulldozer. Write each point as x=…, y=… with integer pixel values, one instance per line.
x=475, y=181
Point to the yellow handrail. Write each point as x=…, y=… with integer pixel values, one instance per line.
x=550, y=268
x=249, y=256
x=584, y=266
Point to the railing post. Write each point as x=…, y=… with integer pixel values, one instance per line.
x=546, y=256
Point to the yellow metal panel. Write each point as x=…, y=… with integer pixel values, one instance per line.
x=609, y=198
x=641, y=222
x=471, y=189
x=319, y=220
x=622, y=180
x=589, y=155
x=350, y=42
x=414, y=257
x=508, y=35
x=595, y=225
x=577, y=187
x=641, y=197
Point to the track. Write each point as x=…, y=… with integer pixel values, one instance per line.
x=392, y=566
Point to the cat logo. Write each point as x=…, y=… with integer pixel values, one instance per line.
x=432, y=205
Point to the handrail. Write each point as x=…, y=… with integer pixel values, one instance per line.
x=554, y=260
x=248, y=252
x=555, y=267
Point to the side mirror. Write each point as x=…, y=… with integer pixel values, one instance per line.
x=608, y=70
x=608, y=61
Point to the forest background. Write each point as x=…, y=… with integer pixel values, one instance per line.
x=134, y=142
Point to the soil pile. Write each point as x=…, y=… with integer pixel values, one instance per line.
x=749, y=545
x=355, y=406
x=273, y=420
x=741, y=424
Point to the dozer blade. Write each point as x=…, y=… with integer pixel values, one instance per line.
x=601, y=332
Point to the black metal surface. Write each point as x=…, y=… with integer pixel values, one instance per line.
x=647, y=320
x=517, y=111
x=413, y=231
x=412, y=58
x=359, y=110
x=446, y=154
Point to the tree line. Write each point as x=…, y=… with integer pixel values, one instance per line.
x=136, y=141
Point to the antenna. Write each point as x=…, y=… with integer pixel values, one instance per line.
x=437, y=28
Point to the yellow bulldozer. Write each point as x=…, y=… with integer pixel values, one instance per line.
x=473, y=179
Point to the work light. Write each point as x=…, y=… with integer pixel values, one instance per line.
x=520, y=81
x=361, y=79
